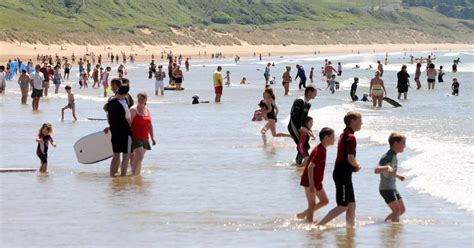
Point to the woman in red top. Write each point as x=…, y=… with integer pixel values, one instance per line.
x=312, y=177
x=142, y=128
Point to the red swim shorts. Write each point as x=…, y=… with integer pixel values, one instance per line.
x=218, y=90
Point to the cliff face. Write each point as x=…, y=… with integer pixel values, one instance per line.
x=224, y=22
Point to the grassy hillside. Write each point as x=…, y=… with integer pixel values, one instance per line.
x=224, y=22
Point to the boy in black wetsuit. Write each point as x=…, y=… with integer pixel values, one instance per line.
x=346, y=164
x=455, y=87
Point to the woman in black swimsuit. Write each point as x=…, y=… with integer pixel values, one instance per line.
x=271, y=111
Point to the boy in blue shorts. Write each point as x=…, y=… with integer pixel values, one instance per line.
x=387, y=169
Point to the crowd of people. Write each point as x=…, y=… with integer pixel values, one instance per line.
x=131, y=128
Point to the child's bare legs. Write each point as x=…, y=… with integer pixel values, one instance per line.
x=287, y=88
x=62, y=113
x=136, y=162
x=332, y=214
x=56, y=89
x=114, y=164
x=74, y=114
x=398, y=208
x=124, y=165
x=312, y=205
x=263, y=131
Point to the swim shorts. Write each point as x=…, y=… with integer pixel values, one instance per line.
x=121, y=143
x=344, y=190
x=390, y=195
x=36, y=93
x=218, y=90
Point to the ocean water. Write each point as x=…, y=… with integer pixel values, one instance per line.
x=209, y=181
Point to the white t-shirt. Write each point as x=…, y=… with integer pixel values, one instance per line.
x=38, y=79
x=125, y=107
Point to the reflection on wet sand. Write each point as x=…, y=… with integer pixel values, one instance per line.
x=391, y=235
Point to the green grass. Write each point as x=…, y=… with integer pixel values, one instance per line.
x=119, y=21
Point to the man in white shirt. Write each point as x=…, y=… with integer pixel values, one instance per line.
x=36, y=81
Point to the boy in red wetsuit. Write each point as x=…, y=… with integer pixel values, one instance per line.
x=313, y=175
x=345, y=165
x=305, y=134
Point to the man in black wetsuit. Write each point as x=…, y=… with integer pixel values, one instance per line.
x=402, y=83
x=299, y=112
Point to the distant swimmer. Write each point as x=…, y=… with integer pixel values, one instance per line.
x=380, y=68
x=302, y=75
x=440, y=74
x=431, y=73
x=287, y=80
x=354, y=96
x=455, y=64
x=243, y=81
x=196, y=100
x=266, y=74
x=417, y=76
x=356, y=67
x=377, y=90
x=70, y=103
x=403, y=82
x=227, y=78
x=455, y=87
x=270, y=110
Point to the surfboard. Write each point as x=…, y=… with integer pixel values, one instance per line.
x=93, y=148
x=392, y=102
x=17, y=170
x=171, y=87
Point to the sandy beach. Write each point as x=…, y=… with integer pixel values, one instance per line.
x=10, y=50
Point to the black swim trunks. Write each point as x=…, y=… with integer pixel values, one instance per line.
x=390, y=195
x=431, y=80
x=344, y=190
x=121, y=143
x=402, y=88
x=285, y=83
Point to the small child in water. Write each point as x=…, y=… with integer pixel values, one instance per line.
x=313, y=174
x=70, y=103
x=243, y=81
x=455, y=87
x=85, y=79
x=305, y=134
x=44, y=139
x=227, y=78
x=387, y=169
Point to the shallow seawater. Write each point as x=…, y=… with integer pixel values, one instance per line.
x=210, y=182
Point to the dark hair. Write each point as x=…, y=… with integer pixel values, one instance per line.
x=123, y=90
x=431, y=66
x=219, y=68
x=2, y=67
x=308, y=119
x=309, y=89
x=68, y=87
x=440, y=67
x=356, y=80
x=22, y=71
x=418, y=65
x=325, y=131
x=404, y=67
x=350, y=116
